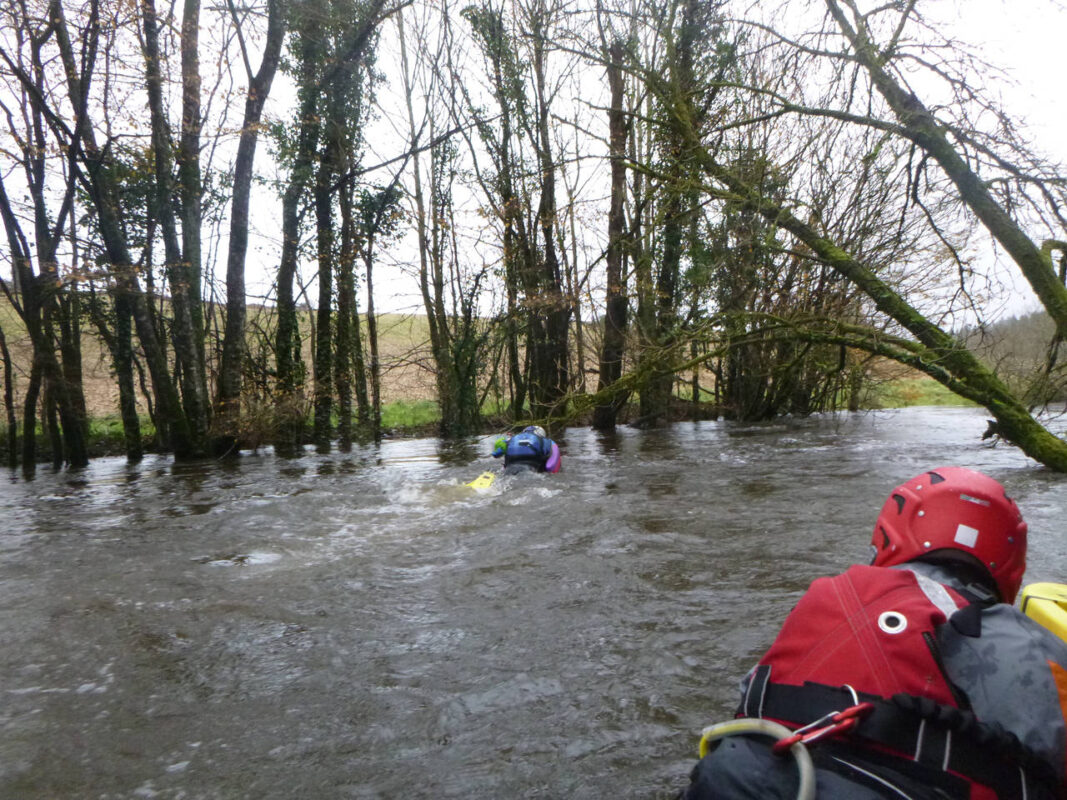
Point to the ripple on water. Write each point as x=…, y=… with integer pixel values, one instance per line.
x=239, y=559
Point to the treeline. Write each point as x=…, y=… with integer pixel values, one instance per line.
x=1025, y=351
x=661, y=203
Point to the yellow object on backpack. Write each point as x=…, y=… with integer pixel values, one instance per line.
x=1046, y=604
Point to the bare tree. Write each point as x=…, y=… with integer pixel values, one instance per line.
x=233, y=343
x=920, y=342
x=611, y=354
x=181, y=244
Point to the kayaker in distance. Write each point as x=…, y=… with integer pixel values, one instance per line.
x=944, y=689
x=530, y=450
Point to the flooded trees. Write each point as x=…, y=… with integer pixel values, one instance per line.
x=612, y=347
x=105, y=83
x=515, y=40
x=331, y=47
x=450, y=281
x=903, y=125
x=711, y=209
x=177, y=175
x=234, y=349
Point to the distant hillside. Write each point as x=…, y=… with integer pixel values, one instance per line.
x=403, y=340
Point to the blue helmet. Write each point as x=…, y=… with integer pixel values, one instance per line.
x=535, y=429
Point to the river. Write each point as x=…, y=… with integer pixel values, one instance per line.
x=362, y=625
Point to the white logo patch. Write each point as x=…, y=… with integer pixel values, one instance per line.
x=966, y=535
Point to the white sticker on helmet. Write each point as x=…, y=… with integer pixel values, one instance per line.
x=966, y=535
x=976, y=500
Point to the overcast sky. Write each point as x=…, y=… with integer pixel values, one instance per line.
x=1026, y=37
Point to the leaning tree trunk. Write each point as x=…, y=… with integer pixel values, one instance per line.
x=934, y=351
x=937, y=353
x=922, y=127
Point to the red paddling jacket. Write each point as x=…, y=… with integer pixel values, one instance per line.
x=913, y=647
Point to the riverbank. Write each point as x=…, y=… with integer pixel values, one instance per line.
x=406, y=419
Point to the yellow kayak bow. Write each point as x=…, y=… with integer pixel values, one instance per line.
x=483, y=481
x=1046, y=603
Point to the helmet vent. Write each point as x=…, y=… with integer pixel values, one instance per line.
x=976, y=500
x=899, y=500
x=935, y=478
x=885, y=537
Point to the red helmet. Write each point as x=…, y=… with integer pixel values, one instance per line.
x=952, y=508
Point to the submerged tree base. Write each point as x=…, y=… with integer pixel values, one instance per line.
x=421, y=419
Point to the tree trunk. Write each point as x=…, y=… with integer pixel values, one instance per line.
x=290, y=402
x=372, y=341
x=323, y=359
x=29, y=419
x=72, y=409
x=347, y=321
x=356, y=364
x=187, y=343
x=9, y=405
x=550, y=330
x=51, y=420
x=615, y=300
x=122, y=357
x=233, y=340
x=191, y=196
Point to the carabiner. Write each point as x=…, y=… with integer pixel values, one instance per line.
x=836, y=722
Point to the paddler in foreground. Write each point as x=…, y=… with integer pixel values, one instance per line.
x=529, y=451
x=913, y=677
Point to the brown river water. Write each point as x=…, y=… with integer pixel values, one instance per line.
x=362, y=625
